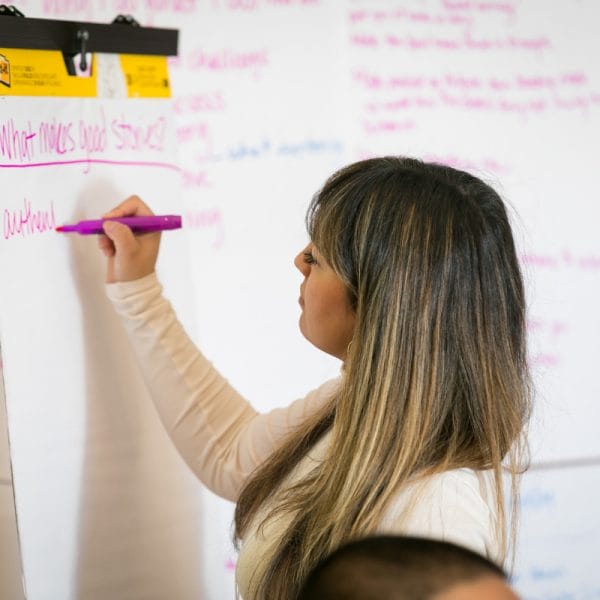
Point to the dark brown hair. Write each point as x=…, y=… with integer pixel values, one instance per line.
x=395, y=568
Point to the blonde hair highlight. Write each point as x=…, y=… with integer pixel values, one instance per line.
x=436, y=376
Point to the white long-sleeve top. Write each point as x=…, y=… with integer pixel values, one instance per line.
x=223, y=439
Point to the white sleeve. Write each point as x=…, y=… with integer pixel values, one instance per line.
x=217, y=432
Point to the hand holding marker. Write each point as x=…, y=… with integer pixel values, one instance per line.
x=143, y=224
x=130, y=256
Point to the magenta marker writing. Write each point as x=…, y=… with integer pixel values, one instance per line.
x=137, y=224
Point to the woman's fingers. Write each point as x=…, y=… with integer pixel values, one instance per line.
x=131, y=207
x=129, y=256
x=105, y=244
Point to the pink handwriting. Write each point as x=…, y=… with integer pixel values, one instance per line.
x=293, y=2
x=388, y=126
x=227, y=59
x=578, y=103
x=56, y=137
x=554, y=327
x=590, y=263
x=95, y=161
x=127, y=6
x=200, y=135
x=544, y=359
x=566, y=259
x=236, y=4
x=522, y=95
x=412, y=16
x=192, y=132
x=155, y=6
x=24, y=221
x=195, y=103
x=130, y=136
x=364, y=39
x=172, y=6
x=207, y=219
x=59, y=138
x=457, y=13
x=67, y=7
x=464, y=82
x=16, y=143
x=540, y=260
x=230, y=565
x=250, y=5
x=507, y=8
x=53, y=139
x=92, y=136
x=195, y=179
x=467, y=42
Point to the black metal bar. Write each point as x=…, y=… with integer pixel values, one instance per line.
x=48, y=34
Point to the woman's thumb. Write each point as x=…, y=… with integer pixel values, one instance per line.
x=120, y=235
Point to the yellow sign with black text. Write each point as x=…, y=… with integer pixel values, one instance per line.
x=4, y=70
x=44, y=73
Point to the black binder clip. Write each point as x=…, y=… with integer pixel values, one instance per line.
x=10, y=11
x=125, y=20
x=81, y=41
x=82, y=37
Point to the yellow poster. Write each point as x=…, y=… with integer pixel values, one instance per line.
x=146, y=76
x=4, y=71
x=44, y=73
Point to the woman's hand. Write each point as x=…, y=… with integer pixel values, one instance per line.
x=129, y=256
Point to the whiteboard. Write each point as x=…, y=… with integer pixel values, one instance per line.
x=105, y=506
x=272, y=95
x=10, y=566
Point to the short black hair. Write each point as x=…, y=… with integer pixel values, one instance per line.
x=395, y=568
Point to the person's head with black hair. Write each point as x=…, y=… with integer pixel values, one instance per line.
x=405, y=568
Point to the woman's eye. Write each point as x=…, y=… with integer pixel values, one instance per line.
x=309, y=259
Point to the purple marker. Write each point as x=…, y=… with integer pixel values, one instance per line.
x=137, y=224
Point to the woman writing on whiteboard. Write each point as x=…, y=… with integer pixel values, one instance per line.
x=411, y=279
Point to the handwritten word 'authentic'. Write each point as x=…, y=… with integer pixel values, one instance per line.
x=25, y=221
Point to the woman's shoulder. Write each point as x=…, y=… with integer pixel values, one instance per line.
x=462, y=484
x=280, y=421
x=456, y=505
x=450, y=491
x=303, y=407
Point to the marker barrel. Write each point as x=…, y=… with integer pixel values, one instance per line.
x=145, y=224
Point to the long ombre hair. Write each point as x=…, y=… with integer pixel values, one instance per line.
x=436, y=375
